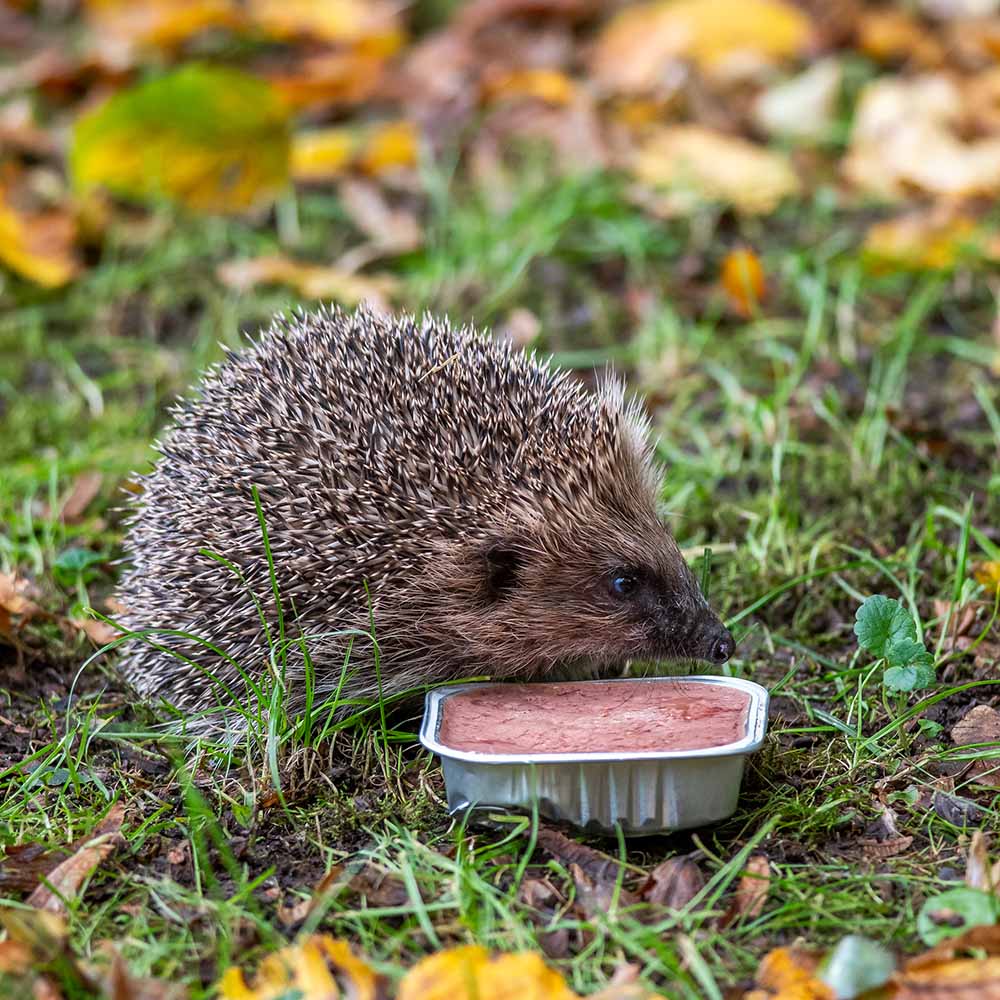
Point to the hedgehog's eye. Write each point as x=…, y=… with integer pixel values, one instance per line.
x=624, y=583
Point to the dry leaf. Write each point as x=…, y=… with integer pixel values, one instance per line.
x=700, y=165
x=64, y=881
x=751, y=894
x=390, y=230
x=599, y=895
x=639, y=48
x=592, y=862
x=120, y=25
x=987, y=574
x=85, y=488
x=317, y=968
x=540, y=84
x=743, y=280
x=312, y=281
x=891, y=34
x=789, y=974
x=925, y=241
x=981, y=725
x=329, y=21
x=804, y=107
x=213, y=138
x=673, y=883
x=343, y=76
x=906, y=137
x=38, y=245
x=469, y=973
x=324, y=154
x=100, y=633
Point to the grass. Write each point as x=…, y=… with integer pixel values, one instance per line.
x=842, y=442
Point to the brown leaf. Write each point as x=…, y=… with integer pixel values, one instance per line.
x=313, y=281
x=599, y=895
x=85, y=488
x=37, y=244
x=100, y=633
x=981, y=725
x=65, y=880
x=22, y=865
x=379, y=888
x=956, y=809
x=391, y=230
x=298, y=911
x=895, y=35
x=979, y=872
x=751, y=894
x=673, y=883
x=789, y=974
x=591, y=862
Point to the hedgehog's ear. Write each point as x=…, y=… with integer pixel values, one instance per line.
x=503, y=564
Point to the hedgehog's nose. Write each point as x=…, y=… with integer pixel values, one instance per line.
x=722, y=648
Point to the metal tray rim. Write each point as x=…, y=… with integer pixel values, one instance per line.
x=756, y=727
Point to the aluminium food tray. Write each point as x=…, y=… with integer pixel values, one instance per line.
x=643, y=792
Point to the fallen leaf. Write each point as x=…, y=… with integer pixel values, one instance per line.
x=742, y=278
x=956, y=809
x=341, y=77
x=17, y=596
x=592, y=862
x=317, y=968
x=892, y=34
x=470, y=972
x=981, y=725
x=325, y=154
x=980, y=873
x=987, y=574
x=789, y=974
x=119, y=26
x=298, y=911
x=906, y=137
x=100, y=633
x=933, y=240
x=215, y=139
x=84, y=490
x=751, y=894
x=639, y=48
x=599, y=895
x=698, y=165
x=330, y=21
x=312, y=281
x=535, y=83
x=37, y=244
x=673, y=883
x=390, y=230
x=63, y=882
x=804, y=107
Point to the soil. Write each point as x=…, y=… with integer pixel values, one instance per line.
x=593, y=717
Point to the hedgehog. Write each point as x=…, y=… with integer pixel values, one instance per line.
x=393, y=504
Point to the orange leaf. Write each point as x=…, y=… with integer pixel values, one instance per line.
x=743, y=281
x=547, y=85
x=789, y=974
x=37, y=245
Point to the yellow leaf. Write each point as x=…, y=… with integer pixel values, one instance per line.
x=344, y=76
x=312, y=281
x=988, y=574
x=743, y=280
x=37, y=245
x=215, y=139
x=329, y=20
x=637, y=48
x=323, y=154
x=469, y=973
x=787, y=974
x=547, y=85
x=892, y=34
x=924, y=241
x=389, y=146
x=699, y=165
x=317, y=968
x=906, y=137
x=158, y=23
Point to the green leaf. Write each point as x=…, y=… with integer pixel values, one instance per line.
x=953, y=912
x=881, y=620
x=855, y=966
x=915, y=677
x=215, y=139
x=907, y=652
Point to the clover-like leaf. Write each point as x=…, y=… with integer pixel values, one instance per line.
x=906, y=653
x=882, y=620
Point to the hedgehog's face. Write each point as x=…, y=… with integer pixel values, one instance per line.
x=599, y=599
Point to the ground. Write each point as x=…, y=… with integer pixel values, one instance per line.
x=841, y=440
